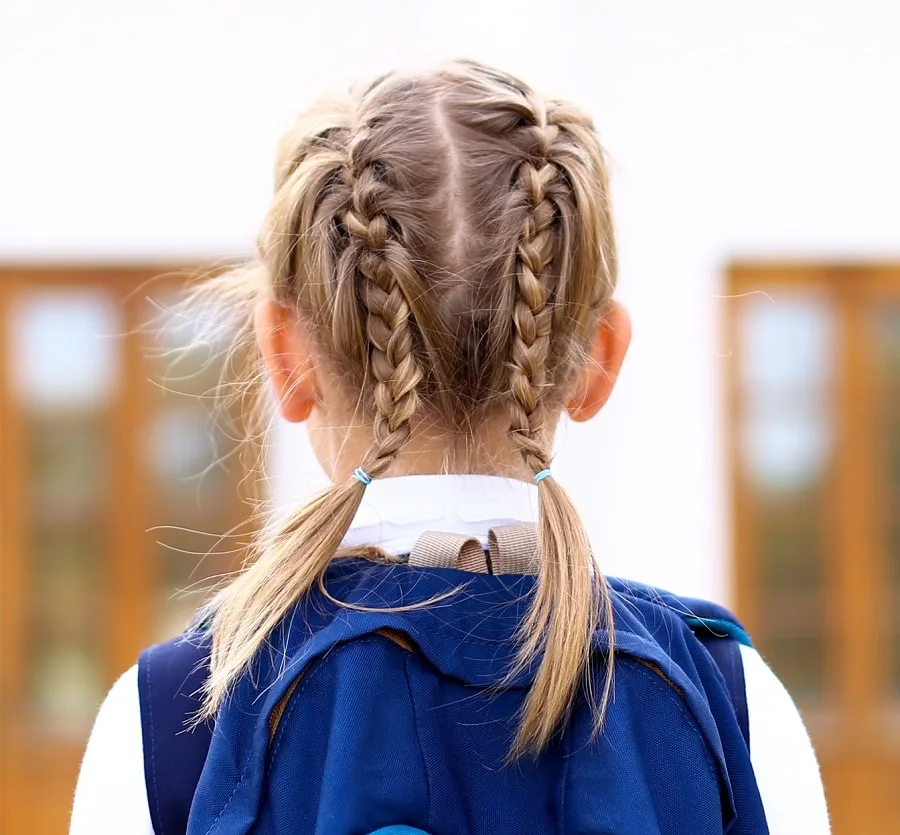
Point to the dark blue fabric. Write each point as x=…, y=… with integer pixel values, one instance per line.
x=722, y=637
x=169, y=678
x=399, y=830
x=726, y=652
x=372, y=737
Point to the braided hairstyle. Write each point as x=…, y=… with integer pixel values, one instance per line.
x=446, y=239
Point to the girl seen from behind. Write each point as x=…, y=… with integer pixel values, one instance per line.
x=431, y=643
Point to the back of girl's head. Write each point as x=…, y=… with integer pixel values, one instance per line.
x=445, y=240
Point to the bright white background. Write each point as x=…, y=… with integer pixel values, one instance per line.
x=764, y=129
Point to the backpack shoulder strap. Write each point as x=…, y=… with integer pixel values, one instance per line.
x=723, y=637
x=726, y=652
x=717, y=629
x=170, y=676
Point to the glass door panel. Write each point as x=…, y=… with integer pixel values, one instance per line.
x=63, y=357
x=786, y=445
x=115, y=480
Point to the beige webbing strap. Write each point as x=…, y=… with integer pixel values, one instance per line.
x=515, y=549
x=448, y=550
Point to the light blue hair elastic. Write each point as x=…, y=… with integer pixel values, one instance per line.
x=362, y=476
x=539, y=477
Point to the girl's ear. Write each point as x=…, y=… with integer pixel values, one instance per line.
x=607, y=354
x=288, y=361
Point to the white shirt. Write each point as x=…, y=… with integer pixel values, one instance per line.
x=111, y=797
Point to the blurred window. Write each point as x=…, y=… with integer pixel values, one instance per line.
x=814, y=362
x=121, y=501
x=64, y=363
x=786, y=446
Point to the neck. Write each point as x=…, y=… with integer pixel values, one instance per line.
x=431, y=450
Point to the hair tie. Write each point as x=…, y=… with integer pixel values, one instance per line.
x=362, y=476
x=541, y=476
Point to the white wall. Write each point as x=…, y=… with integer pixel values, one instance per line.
x=736, y=129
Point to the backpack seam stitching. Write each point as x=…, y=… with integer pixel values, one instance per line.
x=564, y=793
x=159, y=816
x=415, y=714
x=308, y=675
x=227, y=803
x=249, y=762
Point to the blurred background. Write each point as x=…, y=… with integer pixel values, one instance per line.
x=751, y=453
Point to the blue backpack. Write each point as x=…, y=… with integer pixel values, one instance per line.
x=358, y=722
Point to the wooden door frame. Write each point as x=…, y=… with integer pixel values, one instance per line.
x=124, y=283
x=129, y=606
x=853, y=285
x=850, y=732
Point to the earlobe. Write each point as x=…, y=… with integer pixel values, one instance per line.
x=288, y=362
x=607, y=353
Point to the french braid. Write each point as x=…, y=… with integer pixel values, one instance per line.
x=382, y=264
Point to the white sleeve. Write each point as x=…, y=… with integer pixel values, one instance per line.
x=784, y=762
x=111, y=796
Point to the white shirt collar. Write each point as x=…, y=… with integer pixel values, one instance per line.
x=395, y=512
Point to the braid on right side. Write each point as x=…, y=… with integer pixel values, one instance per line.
x=556, y=285
x=532, y=320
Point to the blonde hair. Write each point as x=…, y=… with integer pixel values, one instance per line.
x=446, y=239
